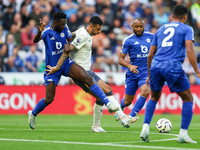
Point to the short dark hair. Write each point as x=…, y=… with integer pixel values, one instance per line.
x=179, y=11
x=96, y=20
x=138, y=18
x=59, y=15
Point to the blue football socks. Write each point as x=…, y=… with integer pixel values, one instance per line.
x=99, y=93
x=150, y=108
x=39, y=107
x=187, y=113
x=138, y=106
x=122, y=105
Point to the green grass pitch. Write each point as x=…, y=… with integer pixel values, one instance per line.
x=73, y=132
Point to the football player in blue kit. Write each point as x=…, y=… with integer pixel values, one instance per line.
x=54, y=36
x=137, y=45
x=81, y=53
x=166, y=55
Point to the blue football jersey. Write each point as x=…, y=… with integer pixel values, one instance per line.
x=54, y=44
x=138, y=50
x=170, y=41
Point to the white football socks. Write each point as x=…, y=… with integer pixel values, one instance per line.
x=97, y=113
x=113, y=101
x=183, y=132
x=145, y=127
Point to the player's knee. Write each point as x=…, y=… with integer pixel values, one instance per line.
x=145, y=93
x=48, y=100
x=127, y=102
x=88, y=80
x=107, y=89
x=191, y=98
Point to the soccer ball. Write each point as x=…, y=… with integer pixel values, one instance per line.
x=164, y=125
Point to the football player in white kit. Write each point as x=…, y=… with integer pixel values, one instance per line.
x=81, y=52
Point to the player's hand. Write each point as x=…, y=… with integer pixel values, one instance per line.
x=51, y=70
x=41, y=26
x=147, y=81
x=198, y=75
x=67, y=49
x=134, y=69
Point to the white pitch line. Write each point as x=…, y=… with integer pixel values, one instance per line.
x=85, y=131
x=99, y=144
x=150, y=141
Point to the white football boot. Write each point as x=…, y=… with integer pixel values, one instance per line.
x=117, y=116
x=144, y=136
x=112, y=108
x=97, y=128
x=31, y=120
x=185, y=139
x=126, y=120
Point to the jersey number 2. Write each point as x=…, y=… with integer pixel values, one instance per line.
x=165, y=42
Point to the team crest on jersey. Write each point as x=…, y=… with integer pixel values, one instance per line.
x=62, y=35
x=148, y=40
x=78, y=40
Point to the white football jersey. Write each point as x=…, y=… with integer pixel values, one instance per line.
x=83, y=45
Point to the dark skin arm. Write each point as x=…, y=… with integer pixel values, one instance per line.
x=122, y=62
x=67, y=49
x=38, y=36
x=192, y=56
x=152, y=52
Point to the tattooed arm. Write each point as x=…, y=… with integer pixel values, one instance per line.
x=67, y=49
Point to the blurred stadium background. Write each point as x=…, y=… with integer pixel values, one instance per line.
x=22, y=62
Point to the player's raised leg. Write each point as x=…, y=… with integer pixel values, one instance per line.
x=77, y=72
x=126, y=101
x=125, y=120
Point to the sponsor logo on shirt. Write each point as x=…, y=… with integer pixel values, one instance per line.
x=78, y=40
x=58, y=45
x=57, y=52
x=144, y=49
x=142, y=55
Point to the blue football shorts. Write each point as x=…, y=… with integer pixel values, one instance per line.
x=84, y=86
x=176, y=79
x=132, y=83
x=55, y=77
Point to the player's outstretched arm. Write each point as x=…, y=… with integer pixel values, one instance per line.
x=67, y=49
x=122, y=62
x=192, y=56
x=38, y=36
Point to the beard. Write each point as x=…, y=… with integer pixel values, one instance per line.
x=140, y=34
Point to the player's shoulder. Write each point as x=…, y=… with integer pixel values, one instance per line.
x=129, y=38
x=149, y=34
x=187, y=27
x=81, y=31
x=46, y=29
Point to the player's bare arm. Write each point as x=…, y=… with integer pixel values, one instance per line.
x=122, y=62
x=73, y=35
x=191, y=55
x=67, y=49
x=152, y=52
x=38, y=36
